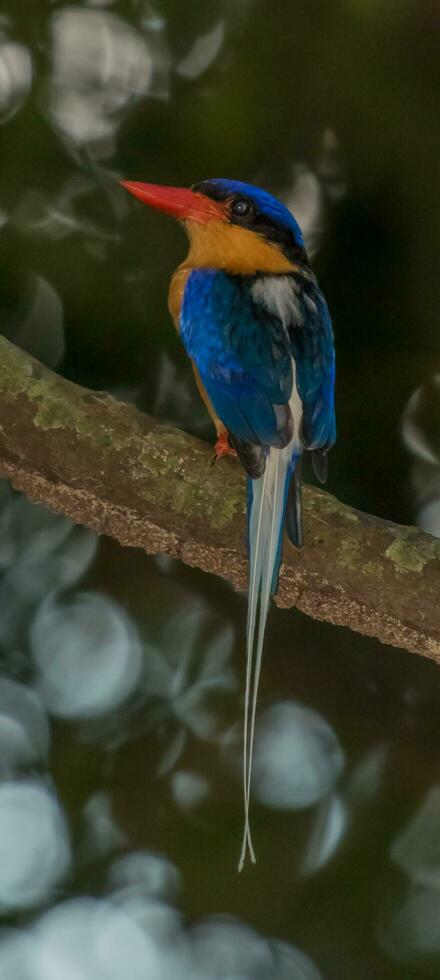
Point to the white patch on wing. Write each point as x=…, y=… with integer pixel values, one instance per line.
x=296, y=444
x=279, y=294
x=295, y=405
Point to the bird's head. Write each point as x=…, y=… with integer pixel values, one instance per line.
x=231, y=225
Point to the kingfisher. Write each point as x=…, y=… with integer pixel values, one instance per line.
x=257, y=329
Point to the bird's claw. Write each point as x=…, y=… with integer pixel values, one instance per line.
x=223, y=447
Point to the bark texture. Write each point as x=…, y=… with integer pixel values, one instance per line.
x=107, y=466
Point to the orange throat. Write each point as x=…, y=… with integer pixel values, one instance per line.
x=220, y=245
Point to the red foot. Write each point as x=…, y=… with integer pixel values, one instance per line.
x=223, y=447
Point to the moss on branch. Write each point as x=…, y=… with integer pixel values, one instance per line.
x=108, y=466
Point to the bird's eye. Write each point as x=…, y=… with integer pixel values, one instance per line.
x=240, y=207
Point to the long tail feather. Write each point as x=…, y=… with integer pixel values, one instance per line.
x=267, y=503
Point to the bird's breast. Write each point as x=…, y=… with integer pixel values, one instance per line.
x=176, y=293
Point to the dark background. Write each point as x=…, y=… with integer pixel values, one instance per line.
x=333, y=106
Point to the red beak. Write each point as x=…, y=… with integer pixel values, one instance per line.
x=180, y=202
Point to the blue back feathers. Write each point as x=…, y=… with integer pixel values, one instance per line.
x=246, y=356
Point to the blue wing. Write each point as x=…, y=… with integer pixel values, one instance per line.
x=242, y=356
x=244, y=350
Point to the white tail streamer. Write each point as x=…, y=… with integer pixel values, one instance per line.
x=264, y=532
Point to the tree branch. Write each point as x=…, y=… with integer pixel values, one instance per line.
x=113, y=469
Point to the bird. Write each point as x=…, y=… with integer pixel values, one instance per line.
x=259, y=334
